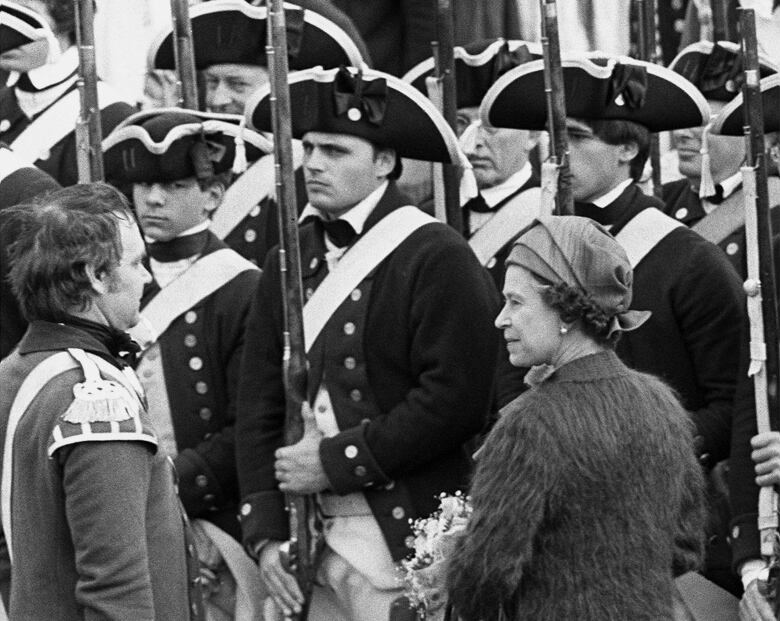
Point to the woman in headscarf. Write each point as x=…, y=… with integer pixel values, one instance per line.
x=587, y=496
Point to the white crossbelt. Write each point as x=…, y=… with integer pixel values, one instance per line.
x=643, y=233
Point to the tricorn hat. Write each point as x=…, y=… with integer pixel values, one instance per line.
x=233, y=31
x=477, y=67
x=168, y=144
x=730, y=121
x=366, y=103
x=20, y=26
x=598, y=87
x=716, y=69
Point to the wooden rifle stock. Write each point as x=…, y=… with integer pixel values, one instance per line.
x=760, y=285
x=558, y=159
x=89, y=133
x=444, y=58
x=303, y=548
x=184, y=55
x=722, y=27
x=646, y=51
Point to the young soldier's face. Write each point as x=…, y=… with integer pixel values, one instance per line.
x=167, y=209
x=341, y=170
x=228, y=86
x=595, y=166
x=495, y=153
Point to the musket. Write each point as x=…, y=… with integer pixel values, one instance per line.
x=646, y=51
x=184, y=55
x=444, y=63
x=722, y=27
x=301, y=553
x=760, y=286
x=556, y=182
x=89, y=133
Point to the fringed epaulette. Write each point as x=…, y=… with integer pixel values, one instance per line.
x=102, y=410
x=97, y=399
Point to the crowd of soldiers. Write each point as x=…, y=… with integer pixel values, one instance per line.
x=143, y=323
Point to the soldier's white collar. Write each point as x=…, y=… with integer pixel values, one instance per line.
x=611, y=196
x=356, y=216
x=499, y=192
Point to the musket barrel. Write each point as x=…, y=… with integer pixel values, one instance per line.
x=184, y=55
x=556, y=105
x=444, y=56
x=89, y=132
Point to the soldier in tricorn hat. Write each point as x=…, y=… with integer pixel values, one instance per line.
x=402, y=353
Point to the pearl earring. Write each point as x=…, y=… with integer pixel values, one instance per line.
x=563, y=330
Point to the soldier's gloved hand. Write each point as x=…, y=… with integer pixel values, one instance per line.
x=766, y=456
x=281, y=585
x=754, y=606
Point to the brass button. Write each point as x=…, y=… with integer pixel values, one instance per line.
x=349, y=328
x=190, y=340
x=351, y=451
x=205, y=413
x=201, y=480
x=207, y=436
x=191, y=317
x=350, y=363
x=681, y=213
x=732, y=248
x=309, y=293
x=246, y=509
x=409, y=541
x=390, y=486
x=148, y=373
x=399, y=513
x=360, y=471
x=735, y=532
x=5, y=125
x=314, y=263
x=356, y=295
x=255, y=211
x=492, y=263
x=196, y=363
x=201, y=388
x=209, y=497
x=250, y=235
x=355, y=395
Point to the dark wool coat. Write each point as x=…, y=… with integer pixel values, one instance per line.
x=409, y=359
x=201, y=352
x=98, y=532
x=586, y=496
x=61, y=163
x=683, y=204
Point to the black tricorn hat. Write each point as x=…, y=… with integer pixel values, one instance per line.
x=20, y=26
x=730, y=121
x=366, y=103
x=168, y=144
x=716, y=69
x=477, y=67
x=598, y=87
x=233, y=31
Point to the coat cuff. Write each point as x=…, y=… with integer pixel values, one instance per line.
x=199, y=489
x=263, y=517
x=744, y=537
x=349, y=463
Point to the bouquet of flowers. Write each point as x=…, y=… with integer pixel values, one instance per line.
x=435, y=538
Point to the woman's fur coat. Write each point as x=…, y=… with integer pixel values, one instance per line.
x=587, y=502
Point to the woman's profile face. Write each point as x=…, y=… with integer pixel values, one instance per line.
x=531, y=328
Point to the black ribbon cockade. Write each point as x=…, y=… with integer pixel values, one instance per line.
x=719, y=68
x=507, y=59
x=629, y=84
x=368, y=97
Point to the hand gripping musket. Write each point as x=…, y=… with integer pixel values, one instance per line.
x=556, y=184
x=645, y=10
x=760, y=287
x=184, y=55
x=301, y=553
x=443, y=93
x=89, y=133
